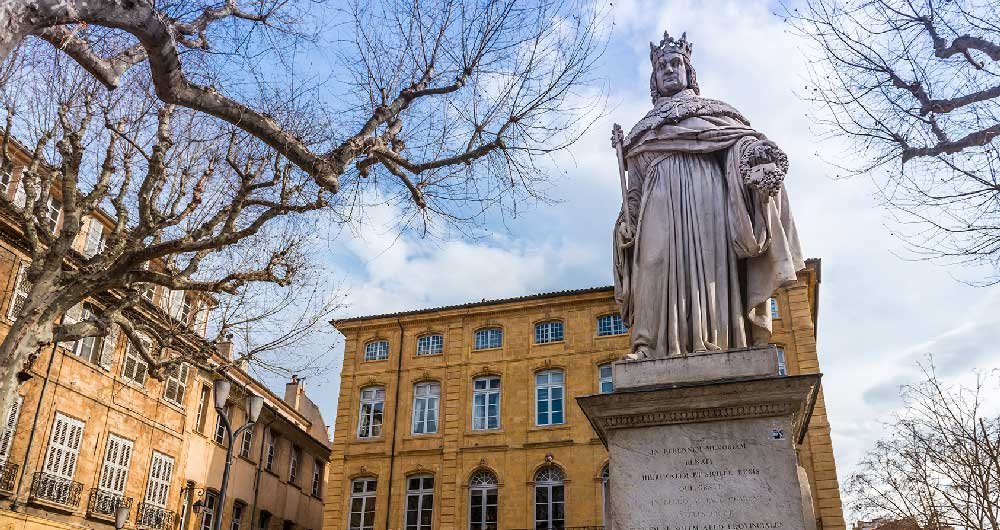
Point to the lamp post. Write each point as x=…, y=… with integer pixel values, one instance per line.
x=121, y=516
x=254, y=403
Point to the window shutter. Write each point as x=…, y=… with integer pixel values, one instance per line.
x=158, y=488
x=114, y=471
x=64, y=446
x=95, y=238
x=8, y=428
x=108, y=348
x=72, y=316
x=21, y=289
x=20, y=197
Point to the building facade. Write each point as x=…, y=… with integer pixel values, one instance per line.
x=464, y=416
x=92, y=429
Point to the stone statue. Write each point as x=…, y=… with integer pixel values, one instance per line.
x=705, y=236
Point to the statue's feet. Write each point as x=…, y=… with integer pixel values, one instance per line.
x=639, y=354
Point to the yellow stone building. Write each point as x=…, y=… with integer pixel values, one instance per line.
x=91, y=429
x=464, y=417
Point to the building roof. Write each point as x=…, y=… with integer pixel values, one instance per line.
x=481, y=303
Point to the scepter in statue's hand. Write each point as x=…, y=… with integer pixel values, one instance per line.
x=625, y=231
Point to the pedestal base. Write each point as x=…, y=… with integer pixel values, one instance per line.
x=719, y=455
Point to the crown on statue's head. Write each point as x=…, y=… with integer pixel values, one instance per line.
x=670, y=45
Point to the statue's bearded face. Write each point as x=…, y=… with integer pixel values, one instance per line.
x=670, y=74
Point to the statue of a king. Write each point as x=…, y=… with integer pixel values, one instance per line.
x=705, y=236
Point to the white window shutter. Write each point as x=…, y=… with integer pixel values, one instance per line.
x=72, y=316
x=114, y=470
x=95, y=238
x=21, y=289
x=160, y=470
x=8, y=428
x=64, y=446
x=108, y=348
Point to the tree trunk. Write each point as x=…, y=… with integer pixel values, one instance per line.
x=32, y=330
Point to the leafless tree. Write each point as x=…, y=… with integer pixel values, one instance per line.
x=447, y=109
x=914, y=86
x=939, y=466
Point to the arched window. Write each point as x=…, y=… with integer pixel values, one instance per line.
x=483, y=513
x=610, y=325
x=486, y=403
x=370, y=415
x=426, y=397
x=419, y=502
x=362, y=513
x=487, y=338
x=431, y=344
x=605, y=494
x=549, y=394
x=546, y=332
x=550, y=504
x=377, y=350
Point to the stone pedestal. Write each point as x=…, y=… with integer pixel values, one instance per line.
x=706, y=442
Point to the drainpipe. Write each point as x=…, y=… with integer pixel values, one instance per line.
x=395, y=418
x=34, y=429
x=260, y=469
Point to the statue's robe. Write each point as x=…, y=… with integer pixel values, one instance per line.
x=708, y=251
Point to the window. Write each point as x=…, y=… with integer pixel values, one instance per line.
x=377, y=350
x=8, y=428
x=176, y=384
x=199, y=419
x=604, y=382
x=549, y=397
x=5, y=177
x=547, y=332
x=114, y=475
x=549, y=499
x=239, y=507
x=782, y=364
x=208, y=510
x=186, y=505
x=486, y=403
x=430, y=344
x=293, y=464
x=774, y=307
x=370, y=418
x=21, y=289
x=610, y=325
x=161, y=468
x=95, y=238
x=271, y=450
x=483, y=501
x=605, y=495
x=419, y=502
x=64, y=447
x=95, y=350
x=263, y=520
x=134, y=368
x=489, y=338
x=362, y=514
x=246, y=443
x=52, y=209
x=20, y=197
x=317, y=482
x=185, y=311
x=148, y=291
x=220, y=425
x=425, y=407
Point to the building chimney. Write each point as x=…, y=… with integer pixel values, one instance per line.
x=293, y=389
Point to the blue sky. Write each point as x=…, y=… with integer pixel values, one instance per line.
x=880, y=312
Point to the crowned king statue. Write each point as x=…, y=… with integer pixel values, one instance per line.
x=705, y=235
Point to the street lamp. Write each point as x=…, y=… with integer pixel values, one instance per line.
x=121, y=516
x=254, y=403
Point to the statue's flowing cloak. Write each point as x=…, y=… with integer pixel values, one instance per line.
x=709, y=251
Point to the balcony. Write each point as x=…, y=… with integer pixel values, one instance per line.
x=104, y=504
x=154, y=517
x=57, y=491
x=8, y=476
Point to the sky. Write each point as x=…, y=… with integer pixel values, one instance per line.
x=881, y=312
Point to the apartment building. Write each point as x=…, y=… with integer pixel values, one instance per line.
x=464, y=416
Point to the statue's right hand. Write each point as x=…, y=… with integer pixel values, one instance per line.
x=626, y=235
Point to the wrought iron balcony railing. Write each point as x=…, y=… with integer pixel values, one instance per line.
x=154, y=517
x=106, y=503
x=8, y=475
x=58, y=490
